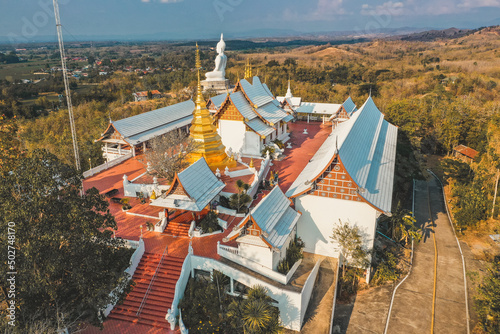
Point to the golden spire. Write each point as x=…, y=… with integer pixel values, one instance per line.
x=251, y=163
x=248, y=69
x=203, y=131
x=200, y=101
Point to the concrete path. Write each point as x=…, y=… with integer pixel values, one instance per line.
x=412, y=309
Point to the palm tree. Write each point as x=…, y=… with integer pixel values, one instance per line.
x=256, y=315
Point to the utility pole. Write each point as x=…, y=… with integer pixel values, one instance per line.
x=66, y=84
x=495, y=196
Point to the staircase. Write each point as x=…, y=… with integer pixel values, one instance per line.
x=160, y=295
x=177, y=229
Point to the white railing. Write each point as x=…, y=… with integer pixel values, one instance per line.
x=232, y=253
x=180, y=286
x=226, y=211
x=134, y=262
x=160, y=226
x=264, y=169
x=222, y=223
x=106, y=165
x=233, y=250
x=131, y=189
x=115, y=150
x=131, y=243
x=191, y=228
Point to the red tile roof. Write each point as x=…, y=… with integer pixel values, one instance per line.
x=467, y=151
x=145, y=93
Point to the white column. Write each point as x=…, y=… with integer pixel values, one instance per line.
x=232, y=285
x=143, y=147
x=307, y=118
x=119, y=149
x=323, y=119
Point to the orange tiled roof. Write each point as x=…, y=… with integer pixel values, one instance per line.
x=467, y=151
x=145, y=93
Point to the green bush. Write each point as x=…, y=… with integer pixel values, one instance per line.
x=279, y=143
x=209, y=223
x=293, y=254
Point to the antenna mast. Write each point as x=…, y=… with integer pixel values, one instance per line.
x=66, y=84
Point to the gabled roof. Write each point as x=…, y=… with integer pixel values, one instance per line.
x=274, y=217
x=263, y=101
x=350, y=106
x=142, y=127
x=292, y=101
x=319, y=108
x=218, y=100
x=242, y=105
x=467, y=151
x=260, y=127
x=256, y=91
x=272, y=113
x=366, y=144
x=199, y=183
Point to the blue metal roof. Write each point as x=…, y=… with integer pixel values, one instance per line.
x=199, y=182
x=256, y=91
x=275, y=217
x=241, y=103
x=349, y=106
x=260, y=127
x=218, y=99
x=142, y=127
x=367, y=147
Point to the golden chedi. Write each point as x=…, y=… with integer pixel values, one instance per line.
x=204, y=133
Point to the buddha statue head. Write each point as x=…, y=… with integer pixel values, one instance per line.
x=221, y=46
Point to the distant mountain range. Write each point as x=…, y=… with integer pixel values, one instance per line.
x=269, y=36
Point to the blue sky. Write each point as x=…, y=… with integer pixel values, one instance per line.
x=199, y=19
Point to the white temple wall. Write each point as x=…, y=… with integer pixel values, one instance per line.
x=252, y=144
x=261, y=255
x=232, y=134
x=289, y=302
x=321, y=214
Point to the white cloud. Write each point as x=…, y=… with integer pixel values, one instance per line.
x=329, y=7
x=479, y=3
x=387, y=8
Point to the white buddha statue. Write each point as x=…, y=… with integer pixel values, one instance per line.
x=218, y=74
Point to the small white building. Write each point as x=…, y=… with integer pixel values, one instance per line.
x=249, y=118
x=192, y=189
x=349, y=179
x=315, y=111
x=265, y=233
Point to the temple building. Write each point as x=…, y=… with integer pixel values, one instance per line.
x=314, y=111
x=342, y=172
x=265, y=233
x=350, y=178
x=250, y=117
x=131, y=136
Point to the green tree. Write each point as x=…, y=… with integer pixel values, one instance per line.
x=66, y=260
x=241, y=199
x=255, y=314
x=488, y=300
x=351, y=246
